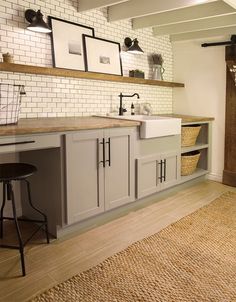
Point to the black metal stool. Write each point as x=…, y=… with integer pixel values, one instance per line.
x=18, y=172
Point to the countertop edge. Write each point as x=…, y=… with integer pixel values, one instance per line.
x=74, y=124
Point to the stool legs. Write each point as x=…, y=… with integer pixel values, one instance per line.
x=37, y=210
x=21, y=246
x=2, y=208
x=8, y=194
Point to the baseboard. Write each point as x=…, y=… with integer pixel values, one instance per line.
x=215, y=177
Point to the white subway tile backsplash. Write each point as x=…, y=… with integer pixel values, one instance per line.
x=57, y=96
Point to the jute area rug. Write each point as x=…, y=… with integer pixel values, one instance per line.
x=193, y=259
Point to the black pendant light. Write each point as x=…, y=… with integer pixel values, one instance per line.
x=133, y=46
x=37, y=24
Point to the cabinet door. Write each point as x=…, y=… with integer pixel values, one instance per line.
x=84, y=180
x=170, y=170
x=119, y=171
x=148, y=175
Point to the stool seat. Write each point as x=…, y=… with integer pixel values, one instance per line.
x=16, y=171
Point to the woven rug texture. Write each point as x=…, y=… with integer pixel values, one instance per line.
x=192, y=260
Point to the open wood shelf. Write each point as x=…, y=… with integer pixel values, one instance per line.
x=61, y=72
x=198, y=173
x=194, y=148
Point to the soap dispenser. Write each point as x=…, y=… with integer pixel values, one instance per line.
x=132, y=109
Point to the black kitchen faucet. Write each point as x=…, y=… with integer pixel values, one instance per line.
x=121, y=96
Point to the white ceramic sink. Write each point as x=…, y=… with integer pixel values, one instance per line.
x=155, y=126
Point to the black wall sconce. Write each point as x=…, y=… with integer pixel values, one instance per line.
x=37, y=24
x=132, y=46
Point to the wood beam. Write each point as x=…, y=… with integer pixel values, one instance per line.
x=92, y=4
x=204, y=34
x=198, y=25
x=206, y=10
x=137, y=8
x=231, y=3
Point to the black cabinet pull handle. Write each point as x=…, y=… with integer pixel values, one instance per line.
x=17, y=143
x=109, y=151
x=164, y=163
x=160, y=177
x=103, y=161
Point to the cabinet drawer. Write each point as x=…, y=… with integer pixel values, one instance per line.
x=26, y=143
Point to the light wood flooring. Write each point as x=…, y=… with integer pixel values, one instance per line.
x=50, y=264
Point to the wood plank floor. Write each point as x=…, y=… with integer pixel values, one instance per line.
x=50, y=264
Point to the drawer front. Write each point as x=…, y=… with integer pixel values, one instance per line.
x=29, y=142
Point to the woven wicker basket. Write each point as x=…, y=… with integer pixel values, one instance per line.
x=189, y=162
x=189, y=135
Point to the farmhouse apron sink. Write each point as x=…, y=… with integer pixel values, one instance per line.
x=155, y=126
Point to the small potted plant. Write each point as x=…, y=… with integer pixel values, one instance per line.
x=157, y=68
x=136, y=73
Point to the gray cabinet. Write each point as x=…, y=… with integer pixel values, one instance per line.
x=99, y=172
x=170, y=170
x=119, y=171
x=157, y=172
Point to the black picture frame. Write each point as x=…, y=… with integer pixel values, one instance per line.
x=102, y=56
x=67, y=43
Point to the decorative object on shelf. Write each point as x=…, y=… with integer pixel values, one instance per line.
x=189, y=135
x=157, y=68
x=132, y=46
x=37, y=24
x=136, y=74
x=102, y=55
x=189, y=162
x=67, y=43
x=7, y=58
x=10, y=101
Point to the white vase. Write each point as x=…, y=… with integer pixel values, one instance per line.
x=157, y=72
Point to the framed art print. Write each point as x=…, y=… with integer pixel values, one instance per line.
x=102, y=55
x=67, y=43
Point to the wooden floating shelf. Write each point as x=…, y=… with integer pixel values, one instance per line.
x=61, y=72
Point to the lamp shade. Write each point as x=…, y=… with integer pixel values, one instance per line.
x=37, y=24
x=133, y=46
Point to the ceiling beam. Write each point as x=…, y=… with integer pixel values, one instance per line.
x=198, y=25
x=204, y=34
x=201, y=11
x=231, y=3
x=92, y=4
x=137, y=8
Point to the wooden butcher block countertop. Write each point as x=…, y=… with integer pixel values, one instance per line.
x=190, y=118
x=61, y=124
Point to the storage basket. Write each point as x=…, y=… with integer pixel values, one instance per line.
x=10, y=100
x=189, y=135
x=189, y=162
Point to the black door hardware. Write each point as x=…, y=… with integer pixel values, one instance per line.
x=103, y=161
x=109, y=151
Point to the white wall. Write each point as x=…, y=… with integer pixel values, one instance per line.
x=203, y=71
x=56, y=96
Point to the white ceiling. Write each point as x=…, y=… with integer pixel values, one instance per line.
x=181, y=19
